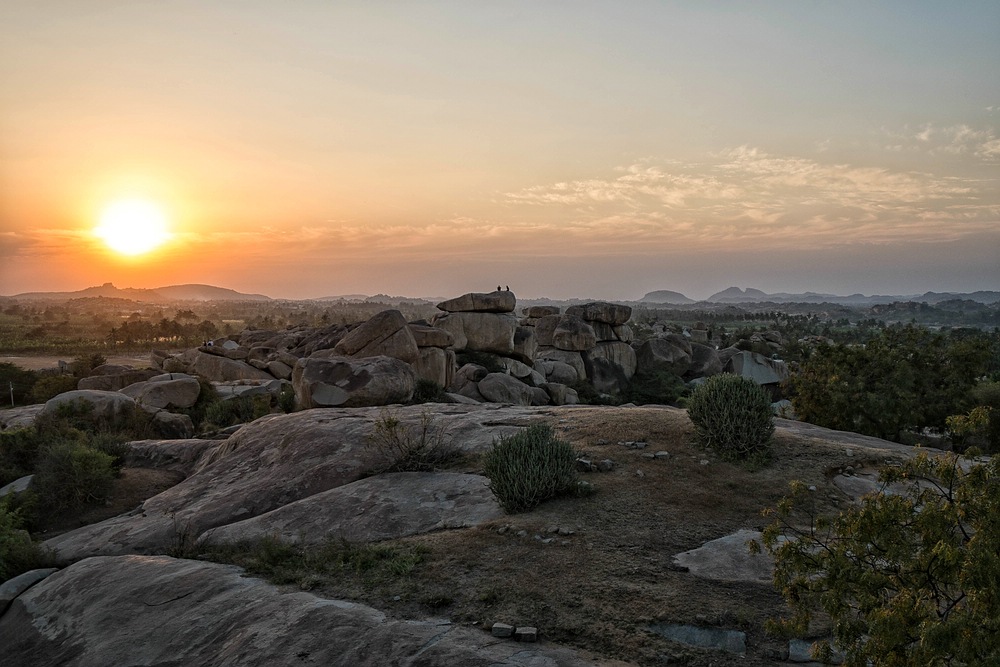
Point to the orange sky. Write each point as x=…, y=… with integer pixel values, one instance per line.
x=568, y=150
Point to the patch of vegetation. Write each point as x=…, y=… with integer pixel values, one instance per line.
x=286, y=399
x=15, y=385
x=653, y=386
x=238, y=410
x=311, y=566
x=529, y=467
x=903, y=380
x=406, y=448
x=50, y=386
x=18, y=552
x=428, y=391
x=732, y=415
x=907, y=578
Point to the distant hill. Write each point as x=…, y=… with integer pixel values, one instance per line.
x=751, y=295
x=156, y=295
x=666, y=296
x=737, y=295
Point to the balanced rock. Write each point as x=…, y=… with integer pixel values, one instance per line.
x=346, y=382
x=545, y=329
x=474, y=302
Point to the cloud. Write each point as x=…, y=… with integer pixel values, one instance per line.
x=750, y=198
x=960, y=139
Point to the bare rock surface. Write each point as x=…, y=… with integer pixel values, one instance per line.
x=377, y=508
x=270, y=463
x=728, y=559
x=103, y=404
x=19, y=417
x=345, y=382
x=180, y=456
x=385, y=334
x=166, y=611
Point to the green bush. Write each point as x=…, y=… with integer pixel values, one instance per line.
x=286, y=399
x=529, y=467
x=18, y=453
x=732, y=415
x=18, y=553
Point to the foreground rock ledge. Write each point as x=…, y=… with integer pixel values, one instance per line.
x=159, y=611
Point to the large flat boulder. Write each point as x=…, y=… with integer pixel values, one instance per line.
x=335, y=381
x=216, y=368
x=166, y=391
x=436, y=365
x=757, y=367
x=388, y=506
x=100, y=405
x=476, y=302
x=670, y=353
x=113, y=377
x=502, y=388
x=156, y=610
x=384, y=334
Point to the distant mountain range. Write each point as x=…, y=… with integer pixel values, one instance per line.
x=156, y=295
x=751, y=295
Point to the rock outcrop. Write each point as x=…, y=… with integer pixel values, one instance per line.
x=195, y=613
x=344, y=382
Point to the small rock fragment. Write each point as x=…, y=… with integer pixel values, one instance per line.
x=502, y=630
x=526, y=634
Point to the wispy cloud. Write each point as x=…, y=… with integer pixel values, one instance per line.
x=960, y=139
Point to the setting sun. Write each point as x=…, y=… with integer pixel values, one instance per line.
x=133, y=226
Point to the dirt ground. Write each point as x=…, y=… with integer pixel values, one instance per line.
x=600, y=582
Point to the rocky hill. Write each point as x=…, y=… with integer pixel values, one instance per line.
x=157, y=295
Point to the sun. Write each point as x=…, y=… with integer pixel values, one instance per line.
x=133, y=226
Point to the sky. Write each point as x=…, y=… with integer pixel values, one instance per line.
x=568, y=149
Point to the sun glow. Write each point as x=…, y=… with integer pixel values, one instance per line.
x=133, y=226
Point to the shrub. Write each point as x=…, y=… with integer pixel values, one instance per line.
x=18, y=453
x=84, y=364
x=71, y=474
x=18, y=553
x=286, y=399
x=907, y=577
x=529, y=467
x=653, y=386
x=50, y=386
x=17, y=382
x=239, y=410
x=732, y=415
x=428, y=391
x=405, y=448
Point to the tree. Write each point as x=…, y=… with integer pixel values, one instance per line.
x=905, y=379
x=910, y=576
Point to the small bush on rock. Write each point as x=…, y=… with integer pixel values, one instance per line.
x=71, y=474
x=732, y=415
x=406, y=448
x=529, y=467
